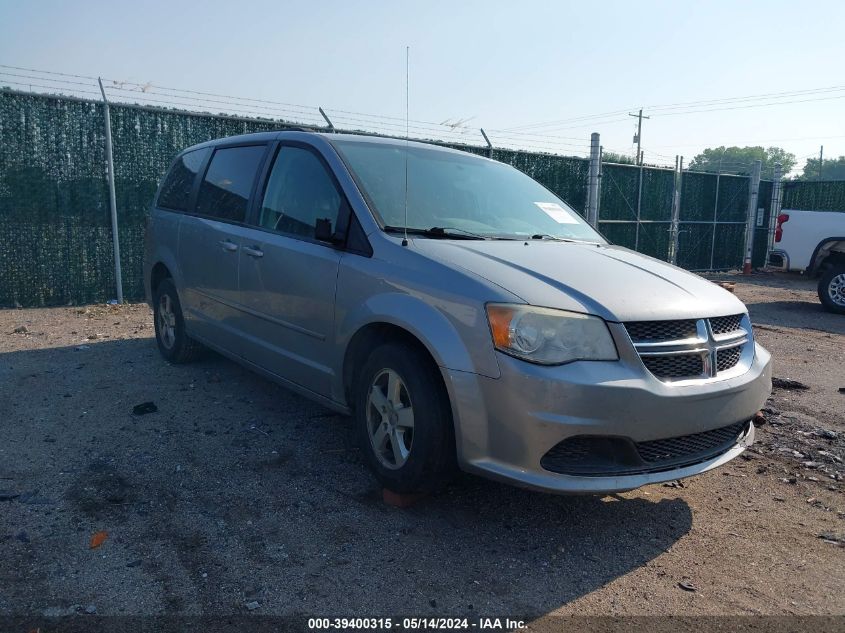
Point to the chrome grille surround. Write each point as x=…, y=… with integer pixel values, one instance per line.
x=718, y=348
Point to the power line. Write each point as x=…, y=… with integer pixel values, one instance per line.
x=692, y=104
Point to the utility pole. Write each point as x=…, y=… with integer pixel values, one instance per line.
x=639, y=137
x=821, y=160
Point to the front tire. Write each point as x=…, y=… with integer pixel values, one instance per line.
x=173, y=342
x=832, y=289
x=403, y=419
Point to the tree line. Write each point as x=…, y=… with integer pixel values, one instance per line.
x=739, y=160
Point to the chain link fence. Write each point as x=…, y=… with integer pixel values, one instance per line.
x=55, y=232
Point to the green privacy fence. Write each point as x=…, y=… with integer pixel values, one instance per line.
x=55, y=232
x=814, y=196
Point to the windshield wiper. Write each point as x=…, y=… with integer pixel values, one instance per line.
x=437, y=232
x=546, y=236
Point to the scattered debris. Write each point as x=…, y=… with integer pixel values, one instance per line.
x=835, y=538
x=759, y=419
x=674, y=484
x=687, y=586
x=252, y=606
x=98, y=538
x=144, y=408
x=835, y=458
x=788, y=384
x=91, y=609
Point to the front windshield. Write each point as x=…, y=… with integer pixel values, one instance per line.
x=459, y=193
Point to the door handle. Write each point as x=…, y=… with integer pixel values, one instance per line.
x=253, y=251
x=228, y=245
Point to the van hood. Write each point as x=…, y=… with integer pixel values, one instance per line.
x=615, y=283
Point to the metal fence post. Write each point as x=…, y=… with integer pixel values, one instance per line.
x=674, y=228
x=639, y=208
x=328, y=120
x=715, y=218
x=118, y=279
x=753, y=194
x=774, y=210
x=593, y=182
x=598, y=189
x=489, y=144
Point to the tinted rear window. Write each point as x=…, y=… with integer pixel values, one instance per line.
x=176, y=188
x=225, y=190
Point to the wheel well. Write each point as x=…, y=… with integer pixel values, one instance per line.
x=828, y=253
x=365, y=340
x=834, y=258
x=159, y=274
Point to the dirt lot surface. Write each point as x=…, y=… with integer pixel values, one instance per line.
x=238, y=497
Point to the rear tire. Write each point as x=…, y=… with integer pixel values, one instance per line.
x=403, y=419
x=832, y=289
x=173, y=342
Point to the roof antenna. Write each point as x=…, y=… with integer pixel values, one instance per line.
x=407, y=56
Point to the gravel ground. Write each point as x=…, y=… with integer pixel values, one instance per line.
x=237, y=496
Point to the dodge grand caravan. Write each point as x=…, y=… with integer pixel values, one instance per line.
x=461, y=313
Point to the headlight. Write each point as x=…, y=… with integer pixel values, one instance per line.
x=547, y=336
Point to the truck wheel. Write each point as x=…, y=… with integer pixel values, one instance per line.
x=403, y=419
x=832, y=289
x=173, y=343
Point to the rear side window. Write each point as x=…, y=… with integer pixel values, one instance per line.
x=176, y=188
x=299, y=192
x=224, y=192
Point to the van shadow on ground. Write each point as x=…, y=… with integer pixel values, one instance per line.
x=237, y=491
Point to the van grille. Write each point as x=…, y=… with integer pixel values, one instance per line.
x=676, y=366
x=728, y=358
x=661, y=330
x=686, y=349
x=727, y=324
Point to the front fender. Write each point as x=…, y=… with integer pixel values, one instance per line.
x=433, y=324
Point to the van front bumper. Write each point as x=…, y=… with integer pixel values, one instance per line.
x=505, y=426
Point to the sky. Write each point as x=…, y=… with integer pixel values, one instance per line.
x=527, y=72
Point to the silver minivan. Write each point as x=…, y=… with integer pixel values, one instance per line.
x=460, y=312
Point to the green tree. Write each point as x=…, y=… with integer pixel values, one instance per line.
x=832, y=169
x=613, y=157
x=740, y=160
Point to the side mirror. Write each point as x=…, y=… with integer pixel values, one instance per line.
x=324, y=233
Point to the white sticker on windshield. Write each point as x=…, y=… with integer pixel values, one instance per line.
x=557, y=212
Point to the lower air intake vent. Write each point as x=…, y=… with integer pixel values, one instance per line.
x=593, y=456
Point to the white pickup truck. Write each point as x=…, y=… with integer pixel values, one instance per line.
x=813, y=242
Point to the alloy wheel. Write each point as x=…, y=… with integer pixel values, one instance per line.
x=166, y=321
x=390, y=419
x=836, y=289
